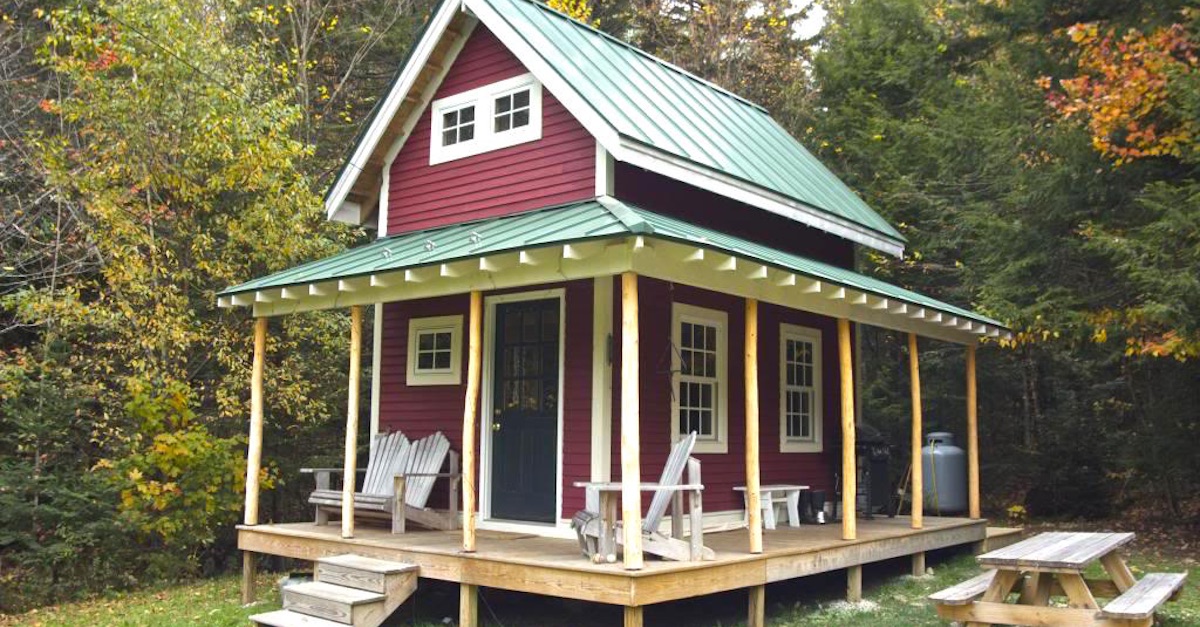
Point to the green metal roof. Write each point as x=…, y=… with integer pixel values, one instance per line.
x=555, y=225
x=604, y=218
x=662, y=106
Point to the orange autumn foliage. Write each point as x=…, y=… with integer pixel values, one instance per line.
x=1123, y=84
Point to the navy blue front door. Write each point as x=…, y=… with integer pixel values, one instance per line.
x=524, y=450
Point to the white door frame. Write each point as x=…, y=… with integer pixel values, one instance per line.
x=487, y=403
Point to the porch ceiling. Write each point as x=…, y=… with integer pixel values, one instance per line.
x=598, y=237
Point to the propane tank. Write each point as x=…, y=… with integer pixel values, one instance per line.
x=943, y=474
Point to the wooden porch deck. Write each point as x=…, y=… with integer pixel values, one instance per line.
x=554, y=567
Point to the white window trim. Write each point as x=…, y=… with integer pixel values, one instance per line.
x=681, y=313
x=453, y=376
x=786, y=444
x=486, y=139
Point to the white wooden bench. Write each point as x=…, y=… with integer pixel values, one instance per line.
x=965, y=592
x=773, y=494
x=1145, y=597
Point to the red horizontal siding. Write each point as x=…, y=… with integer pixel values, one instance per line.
x=556, y=169
x=721, y=472
x=421, y=410
x=667, y=196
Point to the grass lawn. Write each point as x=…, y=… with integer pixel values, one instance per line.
x=892, y=599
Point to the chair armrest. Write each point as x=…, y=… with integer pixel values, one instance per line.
x=429, y=474
x=309, y=471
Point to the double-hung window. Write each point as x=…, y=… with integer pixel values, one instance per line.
x=699, y=337
x=503, y=114
x=800, y=389
x=435, y=351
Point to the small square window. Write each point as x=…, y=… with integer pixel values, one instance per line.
x=435, y=351
x=492, y=117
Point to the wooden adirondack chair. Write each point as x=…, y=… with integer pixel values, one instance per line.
x=396, y=467
x=668, y=491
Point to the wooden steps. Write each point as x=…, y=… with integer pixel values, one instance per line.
x=348, y=590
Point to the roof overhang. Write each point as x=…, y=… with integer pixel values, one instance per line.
x=391, y=122
x=635, y=241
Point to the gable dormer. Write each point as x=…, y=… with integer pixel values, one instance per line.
x=459, y=137
x=491, y=142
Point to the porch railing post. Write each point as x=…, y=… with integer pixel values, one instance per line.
x=631, y=472
x=972, y=437
x=254, y=452
x=753, y=498
x=918, y=494
x=849, y=463
x=350, y=470
x=470, y=415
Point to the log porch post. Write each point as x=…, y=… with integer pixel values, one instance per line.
x=972, y=437
x=350, y=470
x=254, y=452
x=753, y=498
x=849, y=463
x=918, y=494
x=631, y=471
x=470, y=415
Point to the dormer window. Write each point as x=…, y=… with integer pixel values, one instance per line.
x=495, y=116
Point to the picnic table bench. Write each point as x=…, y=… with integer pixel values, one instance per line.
x=1052, y=564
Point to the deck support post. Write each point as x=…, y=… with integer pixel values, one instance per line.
x=470, y=409
x=631, y=472
x=918, y=488
x=753, y=498
x=757, y=616
x=350, y=470
x=634, y=616
x=468, y=605
x=254, y=452
x=918, y=564
x=249, y=575
x=849, y=463
x=854, y=583
x=972, y=437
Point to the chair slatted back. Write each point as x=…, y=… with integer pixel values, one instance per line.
x=425, y=457
x=672, y=475
x=386, y=459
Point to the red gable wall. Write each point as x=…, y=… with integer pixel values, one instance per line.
x=558, y=168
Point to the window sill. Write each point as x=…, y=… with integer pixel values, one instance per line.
x=801, y=447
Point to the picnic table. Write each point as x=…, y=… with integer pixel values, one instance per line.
x=1053, y=564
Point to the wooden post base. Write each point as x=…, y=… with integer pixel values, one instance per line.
x=854, y=584
x=634, y=616
x=468, y=605
x=757, y=616
x=918, y=564
x=249, y=573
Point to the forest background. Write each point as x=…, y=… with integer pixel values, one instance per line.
x=1041, y=156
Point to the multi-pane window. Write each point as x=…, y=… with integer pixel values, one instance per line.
x=435, y=351
x=800, y=390
x=700, y=350
x=458, y=126
x=511, y=111
x=498, y=115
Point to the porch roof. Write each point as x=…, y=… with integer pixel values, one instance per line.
x=592, y=238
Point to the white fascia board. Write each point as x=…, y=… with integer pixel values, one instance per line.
x=391, y=104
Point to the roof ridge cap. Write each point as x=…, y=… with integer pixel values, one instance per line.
x=655, y=59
